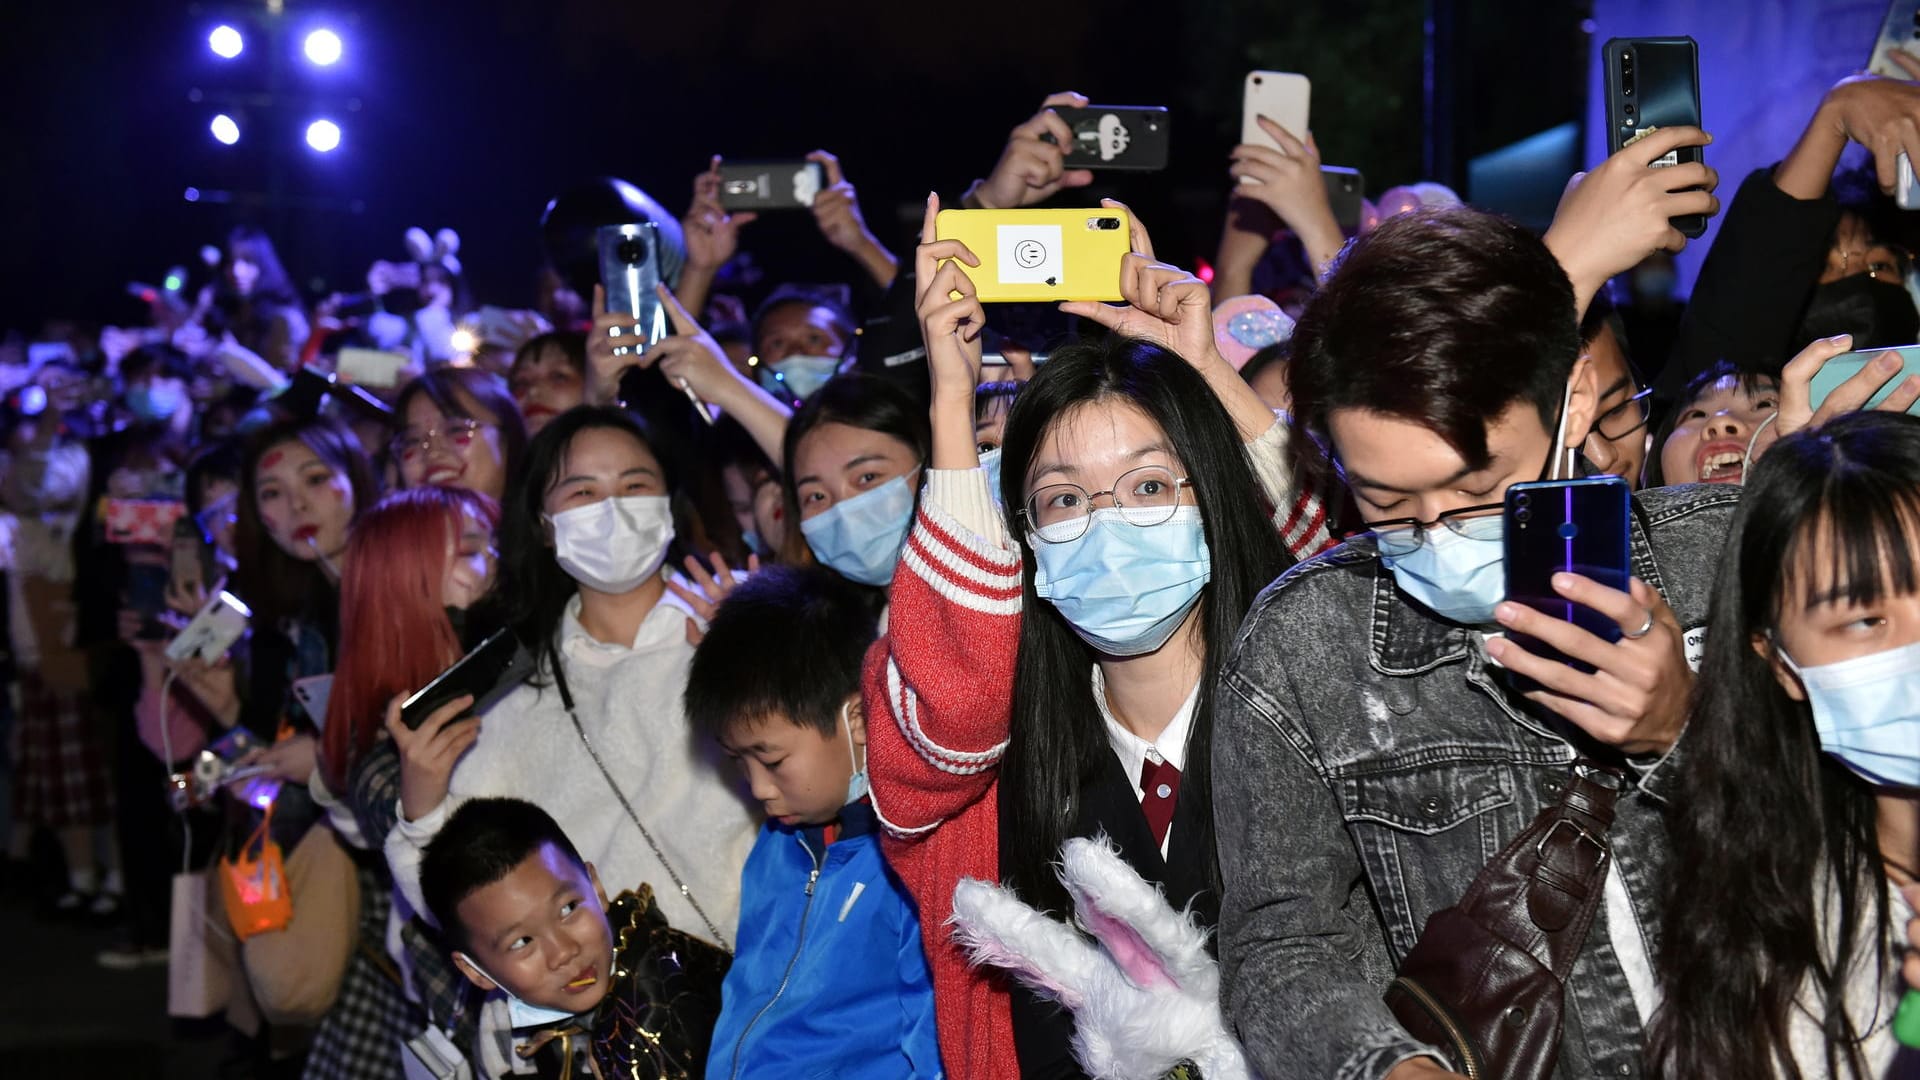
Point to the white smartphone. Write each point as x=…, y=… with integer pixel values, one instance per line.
x=1281, y=97
x=312, y=693
x=1900, y=30
x=376, y=368
x=213, y=631
x=1906, y=192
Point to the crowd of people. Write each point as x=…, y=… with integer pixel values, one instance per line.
x=907, y=685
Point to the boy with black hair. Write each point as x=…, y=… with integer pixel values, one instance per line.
x=528, y=917
x=830, y=978
x=1371, y=754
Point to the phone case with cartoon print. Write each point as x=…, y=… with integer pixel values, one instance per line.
x=1136, y=138
x=1041, y=255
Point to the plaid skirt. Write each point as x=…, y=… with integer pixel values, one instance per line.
x=61, y=771
x=360, y=1037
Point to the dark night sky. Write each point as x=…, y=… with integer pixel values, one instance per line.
x=474, y=114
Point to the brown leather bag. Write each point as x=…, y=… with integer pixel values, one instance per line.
x=1486, y=981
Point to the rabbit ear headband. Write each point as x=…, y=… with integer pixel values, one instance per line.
x=442, y=249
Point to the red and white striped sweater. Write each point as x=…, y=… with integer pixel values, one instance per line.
x=938, y=690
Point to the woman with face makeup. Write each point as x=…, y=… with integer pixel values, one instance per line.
x=459, y=427
x=597, y=737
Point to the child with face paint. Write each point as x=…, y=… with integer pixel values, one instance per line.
x=830, y=977
x=1048, y=668
x=597, y=737
x=1801, y=828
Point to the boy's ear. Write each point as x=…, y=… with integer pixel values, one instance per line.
x=856, y=714
x=599, y=890
x=473, y=973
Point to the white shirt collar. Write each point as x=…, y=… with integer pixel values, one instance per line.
x=1131, y=749
x=666, y=624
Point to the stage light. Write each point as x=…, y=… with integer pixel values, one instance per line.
x=323, y=47
x=225, y=130
x=225, y=42
x=323, y=135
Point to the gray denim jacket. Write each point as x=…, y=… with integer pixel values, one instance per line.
x=1368, y=761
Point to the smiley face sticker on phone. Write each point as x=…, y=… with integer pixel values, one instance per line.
x=1029, y=254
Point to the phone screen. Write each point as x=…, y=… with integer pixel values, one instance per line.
x=1567, y=526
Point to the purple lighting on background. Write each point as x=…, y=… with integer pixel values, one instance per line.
x=225, y=42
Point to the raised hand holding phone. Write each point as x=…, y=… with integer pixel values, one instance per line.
x=1031, y=169
x=1622, y=211
x=713, y=234
x=951, y=319
x=836, y=210
x=429, y=753
x=1289, y=182
x=1806, y=400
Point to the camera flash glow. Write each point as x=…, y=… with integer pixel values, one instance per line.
x=464, y=340
x=225, y=42
x=323, y=135
x=225, y=129
x=323, y=47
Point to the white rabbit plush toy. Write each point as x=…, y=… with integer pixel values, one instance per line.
x=1144, y=994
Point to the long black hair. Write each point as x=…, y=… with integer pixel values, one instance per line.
x=443, y=387
x=276, y=585
x=1779, y=839
x=534, y=591
x=1059, y=741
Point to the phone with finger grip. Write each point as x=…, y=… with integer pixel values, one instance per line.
x=771, y=185
x=1900, y=30
x=489, y=673
x=1280, y=96
x=1653, y=83
x=629, y=272
x=1136, y=138
x=1847, y=365
x=1041, y=255
x=1566, y=526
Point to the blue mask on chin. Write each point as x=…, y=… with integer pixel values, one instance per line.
x=522, y=1014
x=860, y=538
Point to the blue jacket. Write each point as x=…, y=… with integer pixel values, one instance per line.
x=829, y=979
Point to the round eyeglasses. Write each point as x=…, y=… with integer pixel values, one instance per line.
x=1147, y=496
x=457, y=434
x=1398, y=537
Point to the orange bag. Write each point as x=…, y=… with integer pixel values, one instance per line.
x=255, y=887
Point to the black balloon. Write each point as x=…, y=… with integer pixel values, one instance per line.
x=570, y=221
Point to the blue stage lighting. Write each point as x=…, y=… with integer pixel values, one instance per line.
x=323, y=135
x=323, y=47
x=225, y=42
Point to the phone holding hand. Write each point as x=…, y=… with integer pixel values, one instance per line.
x=1573, y=527
x=1654, y=83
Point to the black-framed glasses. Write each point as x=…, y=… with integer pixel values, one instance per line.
x=1397, y=537
x=1627, y=417
x=458, y=433
x=1146, y=496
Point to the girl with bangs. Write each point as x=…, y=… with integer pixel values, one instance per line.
x=1799, y=822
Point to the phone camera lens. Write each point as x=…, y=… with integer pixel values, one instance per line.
x=1523, y=499
x=631, y=251
x=1629, y=112
x=1522, y=516
x=1109, y=224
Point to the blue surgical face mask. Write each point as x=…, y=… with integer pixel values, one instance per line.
x=1457, y=577
x=1124, y=588
x=860, y=538
x=1867, y=712
x=990, y=463
x=857, y=786
x=754, y=543
x=523, y=1014
x=157, y=401
x=798, y=375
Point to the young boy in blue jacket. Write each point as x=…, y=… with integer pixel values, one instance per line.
x=829, y=978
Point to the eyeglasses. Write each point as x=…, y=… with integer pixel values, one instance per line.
x=1147, y=496
x=1398, y=537
x=1627, y=417
x=457, y=434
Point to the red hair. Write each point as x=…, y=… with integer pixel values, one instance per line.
x=394, y=632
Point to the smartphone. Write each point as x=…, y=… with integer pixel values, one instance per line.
x=140, y=521
x=312, y=693
x=213, y=631
x=1122, y=137
x=304, y=395
x=489, y=672
x=1346, y=194
x=1042, y=255
x=1906, y=193
x=629, y=271
x=1900, y=30
x=1566, y=526
x=1654, y=83
x=190, y=562
x=1846, y=365
x=377, y=368
x=1281, y=97
x=771, y=185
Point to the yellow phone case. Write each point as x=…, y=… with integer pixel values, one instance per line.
x=1041, y=255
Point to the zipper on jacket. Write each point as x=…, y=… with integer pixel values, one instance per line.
x=798, y=946
x=1469, y=1059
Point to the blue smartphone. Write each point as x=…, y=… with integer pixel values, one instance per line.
x=1847, y=365
x=629, y=271
x=1567, y=526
